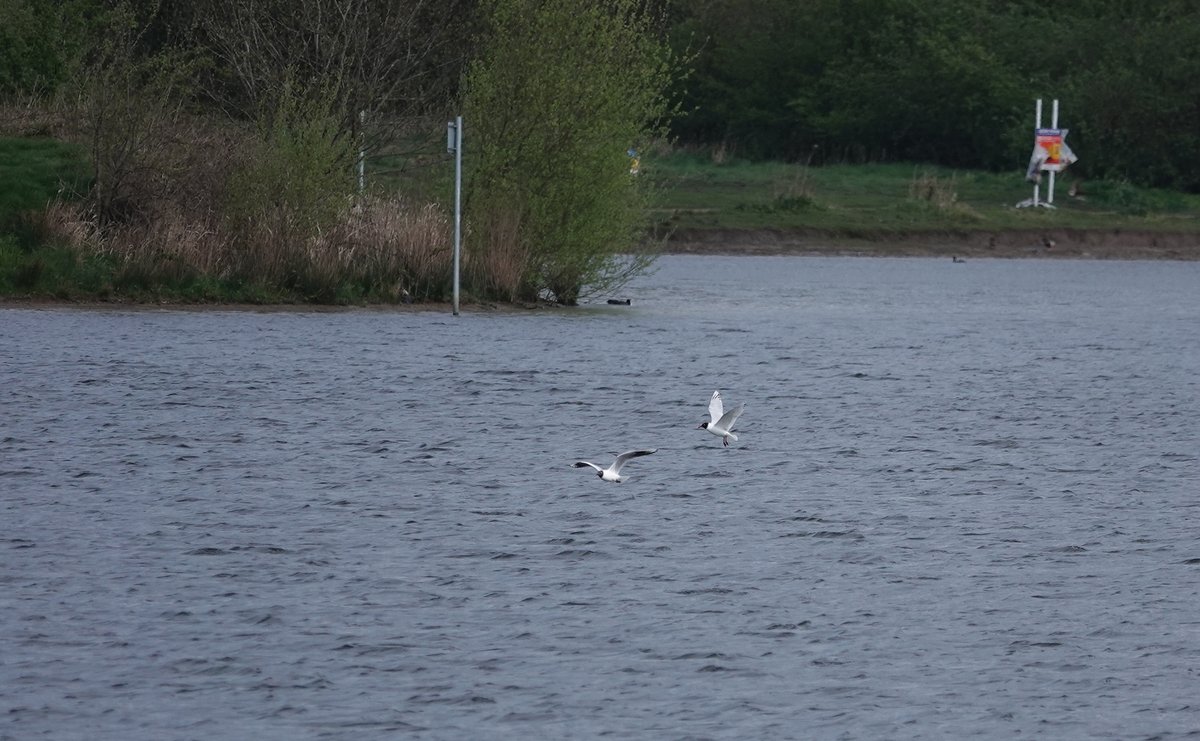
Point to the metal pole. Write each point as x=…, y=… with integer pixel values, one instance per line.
x=1037, y=125
x=458, y=133
x=1053, y=125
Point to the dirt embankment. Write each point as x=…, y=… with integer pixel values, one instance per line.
x=1065, y=243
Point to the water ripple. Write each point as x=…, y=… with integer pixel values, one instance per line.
x=963, y=504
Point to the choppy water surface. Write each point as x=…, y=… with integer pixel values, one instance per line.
x=964, y=503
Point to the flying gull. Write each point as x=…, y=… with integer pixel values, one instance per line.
x=722, y=422
x=613, y=472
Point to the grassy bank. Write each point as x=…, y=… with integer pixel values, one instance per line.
x=375, y=251
x=183, y=234
x=33, y=174
x=885, y=201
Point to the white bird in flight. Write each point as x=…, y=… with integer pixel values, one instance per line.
x=722, y=422
x=613, y=472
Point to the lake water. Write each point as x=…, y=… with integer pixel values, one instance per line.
x=965, y=502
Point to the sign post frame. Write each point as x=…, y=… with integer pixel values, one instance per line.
x=1052, y=141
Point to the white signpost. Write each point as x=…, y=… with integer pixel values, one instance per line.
x=454, y=144
x=1050, y=154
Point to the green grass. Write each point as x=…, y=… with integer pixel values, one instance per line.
x=34, y=172
x=59, y=273
x=864, y=199
x=851, y=201
x=51, y=272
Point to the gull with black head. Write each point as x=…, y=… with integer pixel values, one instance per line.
x=613, y=472
x=721, y=422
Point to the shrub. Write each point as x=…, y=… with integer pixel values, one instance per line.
x=561, y=92
x=292, y=185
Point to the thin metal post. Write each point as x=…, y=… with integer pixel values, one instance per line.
x=1037, y=125
x=457, y=133
x=1053, y=125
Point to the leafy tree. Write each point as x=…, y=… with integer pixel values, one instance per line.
x=129, y=108
x=562, y=90
x=916, y=81
x=751, y=58
x=947, y=81
x=1134, y=107
x=25, y=55
x=389, y=60
x=41, y=42
x=295, y=183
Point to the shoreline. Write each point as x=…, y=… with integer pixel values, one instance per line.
x=1008, y=245
x=1113, y=244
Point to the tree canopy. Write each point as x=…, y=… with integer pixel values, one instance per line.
x=559, y=94
x=947, y=82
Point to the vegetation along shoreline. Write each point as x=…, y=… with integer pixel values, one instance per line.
x=217, y=153
x=1011, y=245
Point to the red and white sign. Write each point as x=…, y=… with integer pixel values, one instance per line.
x=1051, y=150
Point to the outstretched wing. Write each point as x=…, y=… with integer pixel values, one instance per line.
x=582, y=464
x=730, y=418
x=623, y=457
x=715, y=407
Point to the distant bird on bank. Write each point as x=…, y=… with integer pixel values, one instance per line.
x=613, y=472
x=722, y=422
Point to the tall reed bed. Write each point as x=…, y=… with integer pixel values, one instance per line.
x=383, y=250
x=217, y=211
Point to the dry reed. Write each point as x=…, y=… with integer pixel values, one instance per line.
x=931, y=189
x=175, y=225
x=499, y=262
x=389, y=247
